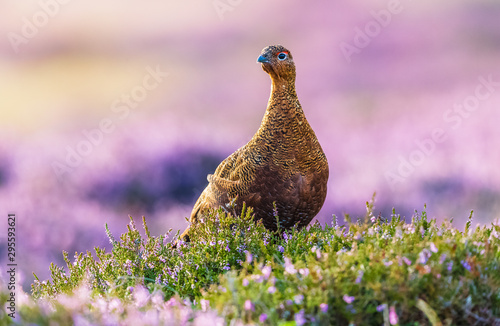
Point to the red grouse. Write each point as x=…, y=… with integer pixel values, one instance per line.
x=283, y=163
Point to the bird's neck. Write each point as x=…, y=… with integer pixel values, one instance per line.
x=283, y=100
x=282, y=86
x=283, y=108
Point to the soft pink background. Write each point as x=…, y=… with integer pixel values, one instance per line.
x=368, y=113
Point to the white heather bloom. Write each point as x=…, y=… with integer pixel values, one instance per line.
x=249, y=257
x=157, y=298
x=289, y=268
x=116, y=306
x=494, y=235
x=205, y=304
x=249, y=305
x=410, y=228
x=141, y=296
x=266, y=271
x=298, y=298
x=304, y=271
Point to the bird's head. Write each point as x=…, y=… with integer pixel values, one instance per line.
x=277, y=61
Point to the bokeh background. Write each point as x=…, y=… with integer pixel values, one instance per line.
x=68, y=67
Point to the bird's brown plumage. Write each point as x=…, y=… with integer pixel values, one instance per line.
x=283, y=163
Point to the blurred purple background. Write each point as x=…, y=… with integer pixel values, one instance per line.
x=377, y=81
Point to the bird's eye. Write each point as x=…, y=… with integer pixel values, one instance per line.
x=282, y=56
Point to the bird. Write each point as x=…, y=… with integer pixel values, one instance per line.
x=282, y=170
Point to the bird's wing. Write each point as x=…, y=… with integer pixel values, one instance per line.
x=234, y=174
x=227, y=167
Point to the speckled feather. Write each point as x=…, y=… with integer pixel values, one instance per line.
x=283, y=163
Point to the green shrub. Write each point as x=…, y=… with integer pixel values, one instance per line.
x=375, y=271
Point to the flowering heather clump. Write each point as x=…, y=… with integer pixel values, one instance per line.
x=372, y=272
x=80, y=308
x=221, y=244
x=375, y=273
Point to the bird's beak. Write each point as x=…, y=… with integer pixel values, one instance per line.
x=262, y=59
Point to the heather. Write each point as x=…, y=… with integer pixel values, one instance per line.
x=371, y=271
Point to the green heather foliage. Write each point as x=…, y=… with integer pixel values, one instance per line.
x=375, y=271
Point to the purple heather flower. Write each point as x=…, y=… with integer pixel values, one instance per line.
x=450, y=266
x=381, y=307
x=466, y=265
x=171, y=302
x=245, y=282
x=281, y=249
x=262, y=318
x=258, y=278
x=442, y=259
x=388, y=263
x=407, y=261
x=300, y=318
x=393, y=317
x=360, y=276
x=433, y=247
x=323, y=307
x=271, y=289
x=424, y=255
x=348, y=299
